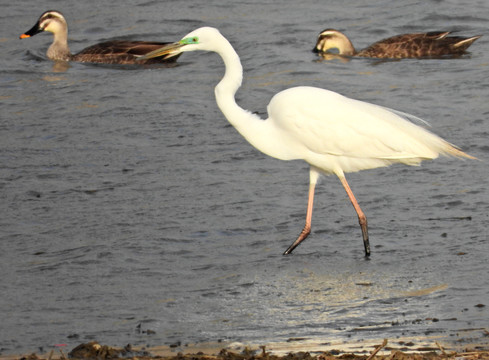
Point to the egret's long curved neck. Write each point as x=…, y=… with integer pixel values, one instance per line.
x=233, y=76
x=256, y=131
x=241, y=119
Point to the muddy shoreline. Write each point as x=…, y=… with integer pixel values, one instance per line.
x=293, y=349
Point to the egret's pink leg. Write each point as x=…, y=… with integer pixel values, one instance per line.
x=307, y=228
x=362, y=219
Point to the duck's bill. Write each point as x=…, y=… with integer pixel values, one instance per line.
x=33, y=31
x=167, y=51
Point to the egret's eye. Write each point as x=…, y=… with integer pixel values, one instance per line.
x=190, y=40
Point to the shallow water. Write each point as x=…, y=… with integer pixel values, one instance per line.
x=127, y=198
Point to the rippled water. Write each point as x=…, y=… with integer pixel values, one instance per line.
x=127, y=198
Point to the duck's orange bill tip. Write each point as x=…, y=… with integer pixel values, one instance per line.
x=23, y=36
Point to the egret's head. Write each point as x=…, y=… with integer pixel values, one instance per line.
x=52, y=21
x=204, y=38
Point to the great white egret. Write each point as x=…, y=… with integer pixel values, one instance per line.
x=418, y=45
x=332, y=133
x=109, y=52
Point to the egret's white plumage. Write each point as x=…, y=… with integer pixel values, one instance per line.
x=332, y=133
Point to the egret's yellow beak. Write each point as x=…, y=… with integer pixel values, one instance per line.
x=169, y=50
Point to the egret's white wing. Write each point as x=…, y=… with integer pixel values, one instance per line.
x=325, y=122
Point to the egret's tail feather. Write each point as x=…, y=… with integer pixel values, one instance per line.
x=451, y=150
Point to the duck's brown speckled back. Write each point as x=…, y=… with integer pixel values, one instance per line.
x=433, y=44
x=121, y=52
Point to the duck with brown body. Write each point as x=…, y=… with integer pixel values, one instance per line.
x=109, y=52
x=419, y=45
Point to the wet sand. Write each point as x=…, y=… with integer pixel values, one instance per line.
x=293, y=349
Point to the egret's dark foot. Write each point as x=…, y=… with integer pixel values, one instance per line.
x=289, y=250
x=364, y=227
x=366, y=243
x=304, y=233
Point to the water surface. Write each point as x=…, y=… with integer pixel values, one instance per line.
x=130, y=204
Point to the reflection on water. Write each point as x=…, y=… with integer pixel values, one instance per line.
x=332, y=56
x=130, y=204
x=60, y=66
